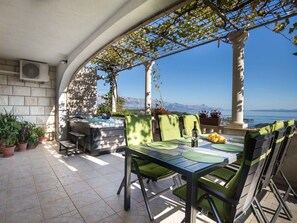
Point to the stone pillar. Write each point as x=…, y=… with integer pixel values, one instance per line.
x=114, y=93
x=148, y=86
x=238, y=38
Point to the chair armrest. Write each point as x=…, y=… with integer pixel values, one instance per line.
x=217, y=194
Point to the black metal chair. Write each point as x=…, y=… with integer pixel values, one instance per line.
x=290, y=130
x=139, y=131
x=229, y=203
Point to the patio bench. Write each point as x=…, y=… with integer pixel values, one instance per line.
x=67, y=145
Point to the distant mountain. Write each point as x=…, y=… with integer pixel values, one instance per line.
x=138, y=103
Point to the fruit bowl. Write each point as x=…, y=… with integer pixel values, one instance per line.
x=216, y=138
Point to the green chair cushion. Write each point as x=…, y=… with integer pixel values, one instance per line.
x=189, y=123
x=155, y=171
x=169, y=127
x=277, y=125
x=222, y=208
x=223, y=173
x=290, y=122
x=138, y=129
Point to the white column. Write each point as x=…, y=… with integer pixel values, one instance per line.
x=114, y=93
x=238, y=38
x=61, y=116
x=148, y=86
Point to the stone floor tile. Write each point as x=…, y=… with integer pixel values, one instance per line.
x=15, y=205
x=21, y=192
x=47, y=185
x=98, y=182
x=107, y=190
x=112, y=219
x=85, y=198
x=116, y=202
x=70, y=179
x=77, y=187
x=95, y=212
x=26, y=216
x=69, y=217
x=52, y=195
x=137, y=213
x=57, y=207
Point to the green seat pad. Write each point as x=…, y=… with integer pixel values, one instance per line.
x=202, y=157
x=223, y=173
x=188, y=140
x=223, y=209
x=237, y=140
x=227, y=147
x=162, y=145
x=155, y=171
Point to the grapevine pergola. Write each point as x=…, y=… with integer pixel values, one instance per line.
x=194, y=24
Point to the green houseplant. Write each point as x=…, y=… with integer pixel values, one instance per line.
x=32, y=136
x=9, y=131
x=23, y=135
x=40, y=131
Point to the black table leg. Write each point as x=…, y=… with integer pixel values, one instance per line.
x=191, y=198
x=127, y=192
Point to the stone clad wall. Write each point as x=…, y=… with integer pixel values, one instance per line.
x=34, y=101
x=82, y=93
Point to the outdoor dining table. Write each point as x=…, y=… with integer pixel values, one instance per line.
x=175, y=160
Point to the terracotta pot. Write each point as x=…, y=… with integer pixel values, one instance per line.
x=23, y=147
x=1, y=147
x=8, y=151
x=210, y=121
x=31, y=146
x=41, y=139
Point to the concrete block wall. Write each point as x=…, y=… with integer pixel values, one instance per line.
x=34, y=101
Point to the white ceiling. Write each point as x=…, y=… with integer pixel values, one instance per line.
x=53, y=30
x=49, y=30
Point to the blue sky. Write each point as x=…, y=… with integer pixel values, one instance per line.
x=204, y=75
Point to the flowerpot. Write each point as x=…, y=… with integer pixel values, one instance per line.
x=31, y=146
x=41, y=139
x=210, y=121
x=1, y=147
x=8, y=151
x=23, y=147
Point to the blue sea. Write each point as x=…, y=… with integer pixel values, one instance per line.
x=255, y=117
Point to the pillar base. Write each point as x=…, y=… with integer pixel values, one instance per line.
x=237, y=125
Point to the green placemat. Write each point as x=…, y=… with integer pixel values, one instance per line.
x=162, y=145
x=203, y=157
x=188, y=140
x=227, y=147
x=238, y=140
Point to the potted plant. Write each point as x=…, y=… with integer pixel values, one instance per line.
x=9, y=131
x=32, y=136
x=23, y=135
x=214, y=119
x=203, y=114
x=40, y=131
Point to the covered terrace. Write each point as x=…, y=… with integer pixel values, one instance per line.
x=66, y=35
